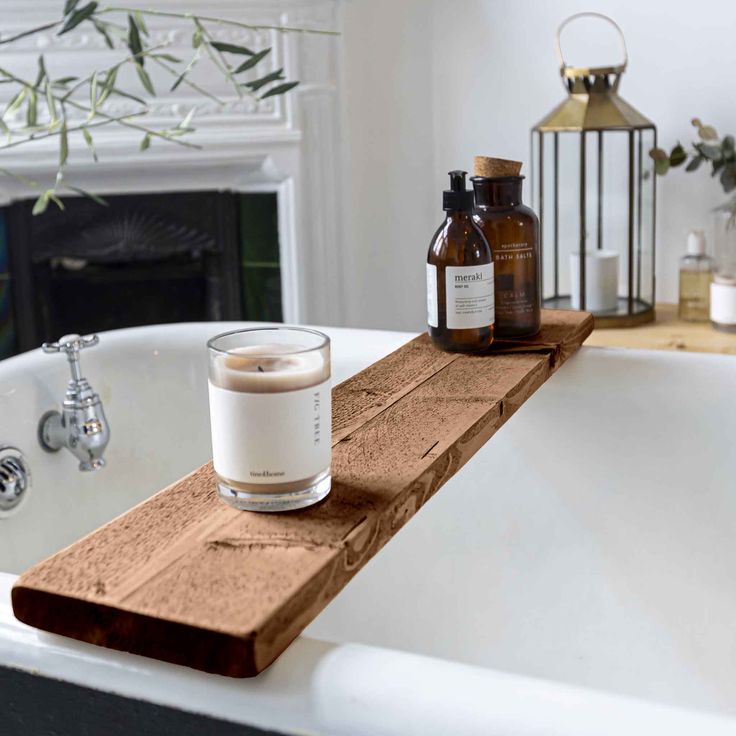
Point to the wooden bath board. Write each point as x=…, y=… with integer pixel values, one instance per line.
x=186, y=579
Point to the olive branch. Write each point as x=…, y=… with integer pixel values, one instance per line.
x=38, y=108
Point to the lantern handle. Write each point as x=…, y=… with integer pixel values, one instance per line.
x=564, y=65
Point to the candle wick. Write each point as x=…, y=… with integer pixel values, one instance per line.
x=260, y=370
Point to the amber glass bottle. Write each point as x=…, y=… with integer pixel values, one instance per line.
x=460, y=282
x=512, y=231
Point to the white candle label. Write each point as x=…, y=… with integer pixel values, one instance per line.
x=470, y=296
x=432, y=313
x=271, y=437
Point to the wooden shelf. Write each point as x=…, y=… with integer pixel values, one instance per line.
x=187, y=579
x=667, y=332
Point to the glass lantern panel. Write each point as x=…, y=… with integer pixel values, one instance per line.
x=613, y=229
x=645, y=217
x=545, y=154
x=568, y=207
x=594, y=191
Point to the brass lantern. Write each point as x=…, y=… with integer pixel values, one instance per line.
x=594, y=191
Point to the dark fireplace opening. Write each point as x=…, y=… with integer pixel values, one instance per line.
x=90, y=298
x=142, y=259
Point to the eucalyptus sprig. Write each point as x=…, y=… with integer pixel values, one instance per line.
x=711, y=149
x=39, y=108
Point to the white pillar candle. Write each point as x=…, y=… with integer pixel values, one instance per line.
x=601, y=280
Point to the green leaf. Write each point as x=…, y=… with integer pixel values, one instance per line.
x=69, y=5
x=4, y=128
x=146, y=142
x=168, y=57
x=184, y=124
x=279, y=89
x=108, y=85
x=662, y=167
x=657, y=154
x=63, y=145
x=41, y=204
x=728, y=178
x=16, y=102
x=32, y=109
x=678, y=156
x=92, y=96
x=728, y=146
x=90, y=143
x=231, y=48
x=77, y=17
x=51, y=104
x=250, y=63
x=708, y=151
x=178, y=81
x=134, y=40
x=186, y=71
x=694, y=163
x=256, y=84
x=55, y=199
x=41, y=71
x=89, y=195
x=64, y=81
x=102, y=30
x=140, y=22
x=145, y=80
x=197, y=38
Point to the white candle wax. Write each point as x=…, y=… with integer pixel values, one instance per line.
x=601, y=280
x=269, y=368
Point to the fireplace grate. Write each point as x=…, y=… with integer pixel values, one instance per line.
x=142, y=259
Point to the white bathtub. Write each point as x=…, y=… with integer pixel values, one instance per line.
x=576, y=577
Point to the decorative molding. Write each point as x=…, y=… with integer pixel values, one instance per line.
x=284, y=144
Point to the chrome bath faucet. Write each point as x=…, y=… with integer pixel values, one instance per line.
x=81, y=426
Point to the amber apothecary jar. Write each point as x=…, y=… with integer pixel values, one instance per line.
x=594, y=191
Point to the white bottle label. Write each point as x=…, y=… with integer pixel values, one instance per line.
x=432, y=311
x=271, y=437
x=470, y=296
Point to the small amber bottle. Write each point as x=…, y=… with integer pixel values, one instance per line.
x=460, y=279
x=512, y=231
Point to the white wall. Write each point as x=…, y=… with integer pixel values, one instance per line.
x=430, y=84
x=391, y=202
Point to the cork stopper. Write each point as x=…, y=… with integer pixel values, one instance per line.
x=488, y=166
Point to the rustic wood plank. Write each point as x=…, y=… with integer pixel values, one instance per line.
x=187, y=579
x=667, y=332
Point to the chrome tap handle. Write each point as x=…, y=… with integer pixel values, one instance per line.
x=71, y=345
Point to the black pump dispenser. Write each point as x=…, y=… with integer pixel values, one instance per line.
x=457, y=197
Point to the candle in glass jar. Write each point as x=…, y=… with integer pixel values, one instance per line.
x=270, y=411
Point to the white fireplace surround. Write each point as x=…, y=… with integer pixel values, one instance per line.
x=288, y=145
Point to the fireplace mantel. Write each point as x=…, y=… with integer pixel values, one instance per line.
x=288, y=145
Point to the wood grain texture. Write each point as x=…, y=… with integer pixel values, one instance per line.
x=184, y=578
x=667, y=332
